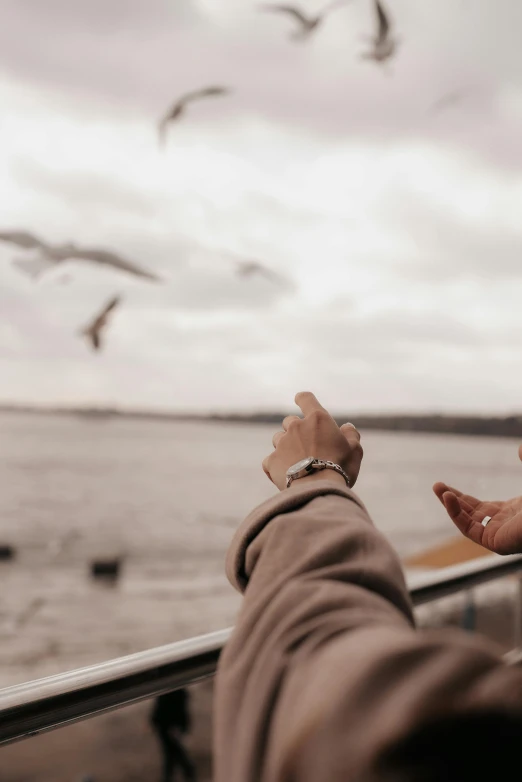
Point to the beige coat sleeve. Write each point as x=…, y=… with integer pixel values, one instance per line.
x=324, y=669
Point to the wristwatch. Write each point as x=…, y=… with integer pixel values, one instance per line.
x=309, y=465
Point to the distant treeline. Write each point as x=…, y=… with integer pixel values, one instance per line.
x=508, y=426
x=492, y=426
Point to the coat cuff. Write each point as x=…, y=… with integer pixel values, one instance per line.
x=284, y=502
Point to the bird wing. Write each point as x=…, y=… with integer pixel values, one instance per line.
x=23, y=239
x=173, y=113
x=178, y=107
x=206, y=92
x=95, y=339
x=287, y=9
x=203, y=92
x=106, y=258
x=110, y=306
x=93, y=329
x=382, y=20
x=101, y=319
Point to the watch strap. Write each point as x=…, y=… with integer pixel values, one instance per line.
x=326, y=464
x=321, y=464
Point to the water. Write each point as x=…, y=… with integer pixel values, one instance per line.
x=166, y=496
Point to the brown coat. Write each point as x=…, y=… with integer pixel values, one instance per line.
x=324, y=670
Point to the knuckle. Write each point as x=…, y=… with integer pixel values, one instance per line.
x=292, y=425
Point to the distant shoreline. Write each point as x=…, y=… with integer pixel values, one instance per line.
x=485, y=426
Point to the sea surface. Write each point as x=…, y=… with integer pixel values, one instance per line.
x=166, y=497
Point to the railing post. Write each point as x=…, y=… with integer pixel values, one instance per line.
x=469, y=614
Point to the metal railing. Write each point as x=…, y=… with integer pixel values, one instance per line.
x=44, y=704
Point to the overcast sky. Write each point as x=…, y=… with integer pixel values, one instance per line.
x=398, y=229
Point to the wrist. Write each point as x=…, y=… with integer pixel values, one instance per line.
x=319, y=475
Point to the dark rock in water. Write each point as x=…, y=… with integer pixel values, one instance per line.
x=106, y=568
x=6, y=553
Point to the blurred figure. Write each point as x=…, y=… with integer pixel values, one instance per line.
x=170, y=718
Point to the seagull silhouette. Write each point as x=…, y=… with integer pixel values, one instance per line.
x=178, y=109
x=246, y=269
x=384, y=45
x=307, y=24
x=93, y=331
x=52, y=255
x=449, y=100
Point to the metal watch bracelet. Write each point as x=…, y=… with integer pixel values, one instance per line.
x=322, y=464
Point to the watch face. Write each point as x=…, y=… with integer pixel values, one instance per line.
x=298, y=466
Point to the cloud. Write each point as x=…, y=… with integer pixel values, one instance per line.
x=397, y=231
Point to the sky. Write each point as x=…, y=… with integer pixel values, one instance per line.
x=395, y=228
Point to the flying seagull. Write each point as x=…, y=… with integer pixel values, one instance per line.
x=178, y=109
x=307, y=24
x=93, y=331
x=384, y=45
x=246, y=269
x=448, y=101
x=52, y=255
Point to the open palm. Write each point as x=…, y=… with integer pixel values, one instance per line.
x=503, y=534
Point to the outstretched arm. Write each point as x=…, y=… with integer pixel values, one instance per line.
x=324, y=671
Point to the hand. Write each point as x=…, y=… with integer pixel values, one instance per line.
x=503, y=534
x=315, y=435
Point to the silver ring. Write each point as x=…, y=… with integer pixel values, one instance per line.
x=485, y=521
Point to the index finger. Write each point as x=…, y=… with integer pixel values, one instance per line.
x=440, y=488
x=308, y=402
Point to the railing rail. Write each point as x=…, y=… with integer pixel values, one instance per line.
x=44, y=704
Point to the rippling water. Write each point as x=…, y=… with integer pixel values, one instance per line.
x=167, y=496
